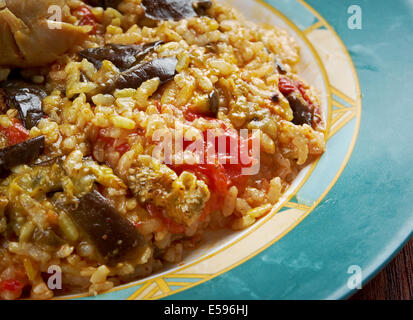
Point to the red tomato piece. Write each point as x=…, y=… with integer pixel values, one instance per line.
x=86, y=17
x=286, y=86
x=190, y=116
x=158, y=106
x=303, y=92
x=123, y=148
x=16, y=133
x=13, y=286
x=222, y=174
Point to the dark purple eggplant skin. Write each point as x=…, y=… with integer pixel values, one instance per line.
x=303, y=113
x=27, y=99
x=158, y=10
x=163, y=68
x=213, y=98
x=3, y=101
x=114, y=237
x=202, y=6
x=122, y=56
x=280, y=67
x=23, y=153
x=104, y=3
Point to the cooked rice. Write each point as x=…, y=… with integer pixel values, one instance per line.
x=221, y=52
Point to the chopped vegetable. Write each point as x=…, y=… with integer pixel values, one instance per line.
x=11, y=289
x=47, y=238
x=214, y=102
x=68, y=227
x=202, y=6
x=301, y=110
x=122, y=56
x=286, y=86
x=226, y=172
x=157, y=10
x=221, y=175
x=86, y=18
x=104, y=3
x=22, y=153
x=15, y=134
x=115, y=238
x=302, y=107
x=27, y=99
x=181, y=199
x=163, y=68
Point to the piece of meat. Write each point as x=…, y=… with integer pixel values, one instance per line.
x=26, y=39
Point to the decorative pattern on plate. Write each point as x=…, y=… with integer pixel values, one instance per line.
x=336, y=78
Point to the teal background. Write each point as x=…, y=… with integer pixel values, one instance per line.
x=368, y=214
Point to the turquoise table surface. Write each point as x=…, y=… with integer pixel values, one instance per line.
x=368, y=215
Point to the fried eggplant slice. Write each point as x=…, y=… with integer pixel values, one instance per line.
x=27, y=99
x=302, y=111
x=114, y=237
x=122, y=56
x=163, y=68
x=22, y=153
x=158, y=10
